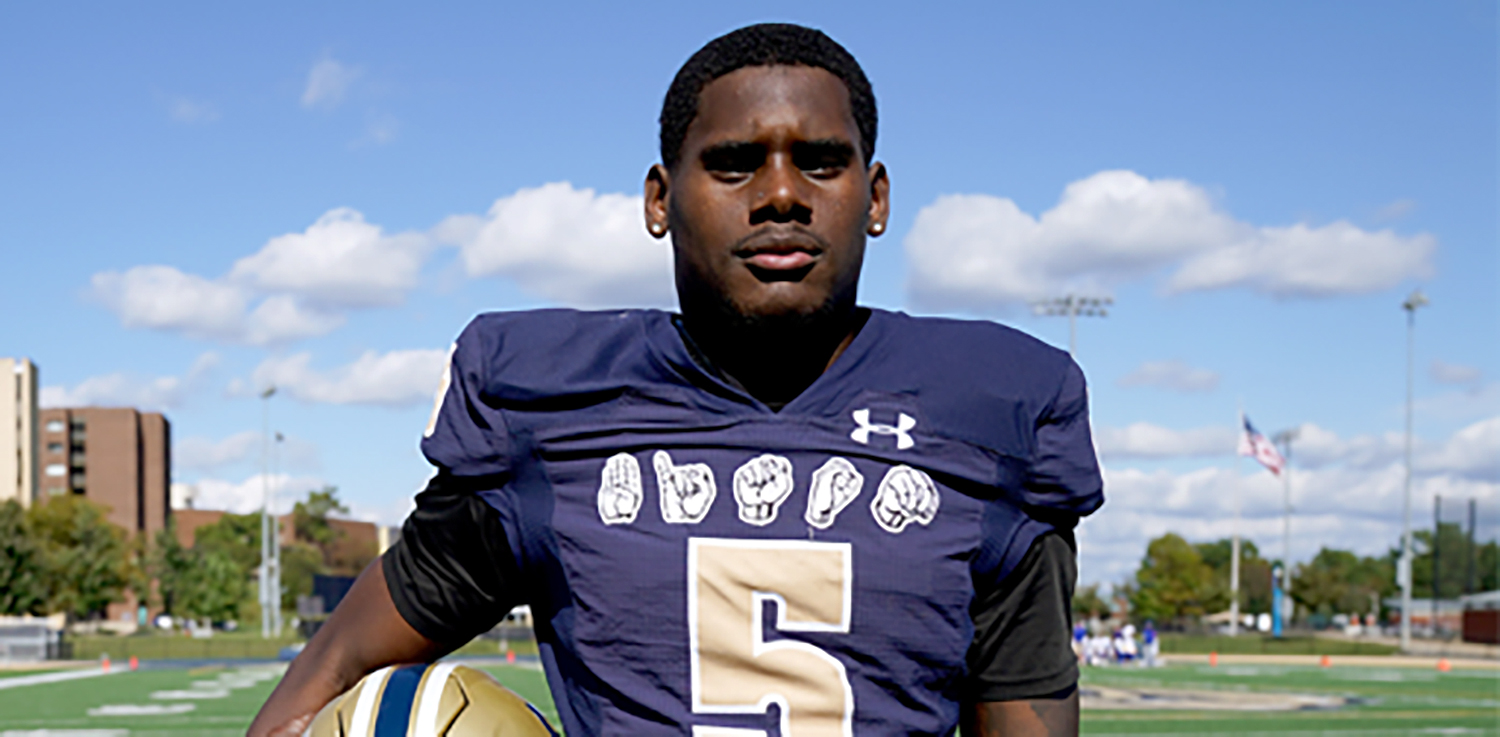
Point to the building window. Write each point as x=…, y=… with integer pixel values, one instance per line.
x=76, y=459
x=56, y=470
x=54, y=447
x=54, y=426
x=77, y=481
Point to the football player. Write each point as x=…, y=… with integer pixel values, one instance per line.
x=775, y=512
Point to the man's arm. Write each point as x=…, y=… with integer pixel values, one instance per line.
x=364, y=633
x=1029, y=718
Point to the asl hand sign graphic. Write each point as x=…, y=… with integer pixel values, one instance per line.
x=620, y=489
x=687, y=491
x=760, y=486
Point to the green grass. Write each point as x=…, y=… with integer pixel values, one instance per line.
x=157, y=646
x=1261, y=645
x=1395, y=701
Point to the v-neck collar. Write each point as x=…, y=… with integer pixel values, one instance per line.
x=670, y=340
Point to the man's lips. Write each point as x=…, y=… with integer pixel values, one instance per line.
x=774, y=260
x=779, y=254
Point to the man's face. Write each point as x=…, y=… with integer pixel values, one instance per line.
x=770, y=200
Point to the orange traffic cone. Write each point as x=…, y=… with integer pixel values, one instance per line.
x=1213, y=659
x=510, y=656
x=1325, y=661
x=104, y=664
x=134, y=662
x=1444, y=666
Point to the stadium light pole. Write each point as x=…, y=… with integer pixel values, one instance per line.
x=1072, y=306
x=1285, y=438
x=276, y=543
x=1403, y=569
x=266, y=563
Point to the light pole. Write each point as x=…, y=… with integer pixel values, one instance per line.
x=1285, y=438
x=267, y=562
x=1072, y=305
x=276, y=544
x=1403, y=571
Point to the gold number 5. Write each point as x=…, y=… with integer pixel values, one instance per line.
x=734, y=669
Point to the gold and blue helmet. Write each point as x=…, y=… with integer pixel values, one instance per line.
x=429, y=700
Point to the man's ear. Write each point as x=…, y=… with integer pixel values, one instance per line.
x=880, y=200
x=658, y=193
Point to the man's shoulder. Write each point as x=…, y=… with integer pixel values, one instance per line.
x=975, y=351
x=536, y=328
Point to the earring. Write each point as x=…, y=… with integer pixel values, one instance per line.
x=658, y=230
x=877, y=228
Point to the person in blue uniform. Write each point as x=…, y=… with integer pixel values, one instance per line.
x=775, y=512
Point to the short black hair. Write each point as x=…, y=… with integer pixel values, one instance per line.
x=763, y=44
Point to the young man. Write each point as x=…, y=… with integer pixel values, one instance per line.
x=774, y=513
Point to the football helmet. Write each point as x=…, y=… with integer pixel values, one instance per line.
x=429, y=700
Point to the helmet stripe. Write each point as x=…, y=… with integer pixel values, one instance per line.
x=364, y=708
x=431, y=700
x=396, y=701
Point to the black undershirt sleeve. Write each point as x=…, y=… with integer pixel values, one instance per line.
x=452, y=576
x=1023, y=627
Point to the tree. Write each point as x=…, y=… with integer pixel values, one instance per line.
x=1453, y=549
x=310, y=519
x=1255, y=573
x=88, y=561
x=1337, y=581
x=23, y=587
x=1173, y=582
x=196, y=583
x=236, y=536
x=1088, y=604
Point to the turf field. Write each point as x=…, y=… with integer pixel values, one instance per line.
x=183, y=702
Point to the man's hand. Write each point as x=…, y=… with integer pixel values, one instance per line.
x=365, y=632
x=1030, y=718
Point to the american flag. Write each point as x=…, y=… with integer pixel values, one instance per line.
x=1254, y=444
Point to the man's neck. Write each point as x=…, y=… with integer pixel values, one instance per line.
x=775, y=359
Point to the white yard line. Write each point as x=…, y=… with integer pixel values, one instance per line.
x=66, y=675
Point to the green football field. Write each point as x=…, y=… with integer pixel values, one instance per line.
x=181, y=702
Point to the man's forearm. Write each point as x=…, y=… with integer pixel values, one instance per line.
x=1029, y=718
x=365, y=632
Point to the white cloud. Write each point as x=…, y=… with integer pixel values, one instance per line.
x=339, y=260
x=566, y=244
x=184, y=110
x=163, y=298
x=304, y=282
x=127, y=390
x=1145, y=440
x=244, y=497
x=397, y=378
x=1453, y=373
x=1345, y=493
x=1395, y=210
x=327, y=83
x=1174, y=375
x=1118, y=226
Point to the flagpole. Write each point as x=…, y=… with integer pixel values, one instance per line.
x=1234, y=547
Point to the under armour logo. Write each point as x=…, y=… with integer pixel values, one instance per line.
x=902, y=429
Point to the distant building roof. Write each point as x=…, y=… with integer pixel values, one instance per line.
x=1481, y=600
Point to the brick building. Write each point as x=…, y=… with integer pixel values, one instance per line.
x=118, y=458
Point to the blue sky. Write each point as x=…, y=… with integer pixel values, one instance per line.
x=1257, y=186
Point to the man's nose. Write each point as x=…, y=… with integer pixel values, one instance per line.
x=779, y=196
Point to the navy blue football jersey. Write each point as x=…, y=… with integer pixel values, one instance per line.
x=697, y=563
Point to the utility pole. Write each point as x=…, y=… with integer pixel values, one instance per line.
x=268, y=595
x=1072, y=306
x=1437, y=568
x=1403, y=570
x=1469, y=574
x=1285, y=438
x=1234, y=545
x=276, y=542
